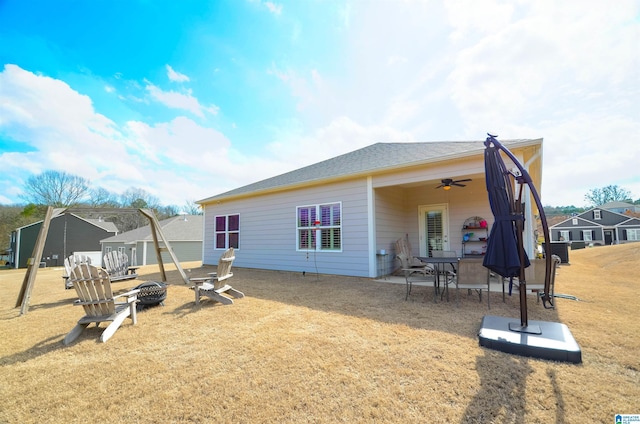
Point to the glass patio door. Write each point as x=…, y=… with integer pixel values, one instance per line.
x=434, y=228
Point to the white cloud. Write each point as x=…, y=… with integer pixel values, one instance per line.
x=341, y=135
x=32, y=105
x=175, y=161
x=184, y=101
x=276, y=9
x=564, y=71
x=176, y=76
x=272, y=7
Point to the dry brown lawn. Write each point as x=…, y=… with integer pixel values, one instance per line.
x=321, y=349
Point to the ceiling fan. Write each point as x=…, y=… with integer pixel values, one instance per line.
x=448, y=182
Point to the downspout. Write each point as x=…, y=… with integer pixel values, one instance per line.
x=16, y=254
x=371, y=228
x=144, y=252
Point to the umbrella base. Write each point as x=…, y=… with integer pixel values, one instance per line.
x=540, y=339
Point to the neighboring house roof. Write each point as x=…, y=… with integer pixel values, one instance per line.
x=178, y=228
x=615, y=205
x=107, y=226
x=375, y=158
x=622, y=206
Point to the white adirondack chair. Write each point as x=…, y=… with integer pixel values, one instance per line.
x=70, y=263
x=93, y=287
x=117, y=265
x=215, y=285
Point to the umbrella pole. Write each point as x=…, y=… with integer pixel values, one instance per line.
x=524, y=319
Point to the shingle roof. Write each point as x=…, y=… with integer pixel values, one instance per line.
x=57, y=213
x=374, y=158
x=178, y=228
x=105, y=225
x=615, y=205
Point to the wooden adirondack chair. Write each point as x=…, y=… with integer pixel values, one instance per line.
x=93, y=287
x=70, y=263
x=215, y=285
x=117, y=265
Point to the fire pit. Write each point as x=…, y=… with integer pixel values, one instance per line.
x=151, y=293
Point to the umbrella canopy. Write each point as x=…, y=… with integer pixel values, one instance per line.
x=503, y=250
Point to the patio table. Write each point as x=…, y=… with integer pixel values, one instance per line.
x=439, y=264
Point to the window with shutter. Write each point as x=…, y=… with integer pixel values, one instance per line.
x=319, y=227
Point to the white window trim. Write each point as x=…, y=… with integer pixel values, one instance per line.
x=566, y=234
x=589, y=233
x=597, y=215
x=574, y=221
x=319, y=228
x=226, y=231
x=635, y=232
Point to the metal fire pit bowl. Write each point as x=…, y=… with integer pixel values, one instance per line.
x=151, y=293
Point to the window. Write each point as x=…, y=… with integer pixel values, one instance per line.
x=596, y=214
x=574, y=221
x=587, y=235
x=633, y=234
x=227, y=230
x=107, y=249
x=564, y=235
x=319, y=227
x=121, y=249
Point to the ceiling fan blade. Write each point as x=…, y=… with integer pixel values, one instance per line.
x=441, y=185
x=455, y=183
x=463, y=181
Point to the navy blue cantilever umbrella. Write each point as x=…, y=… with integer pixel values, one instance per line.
x=503, y=250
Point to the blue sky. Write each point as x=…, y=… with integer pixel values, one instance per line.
x=188, y=99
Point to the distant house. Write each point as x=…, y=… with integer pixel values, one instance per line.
x=344, y=215
x=621, y=207
x=598, y=226
x=68, y=234
x=183, y=232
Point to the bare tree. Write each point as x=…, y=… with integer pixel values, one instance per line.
x=103, y=198
x=610, y=193
x=192, y=208
x=136, y=198
x=55, y=188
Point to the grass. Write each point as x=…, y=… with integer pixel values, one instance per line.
x=321, y=349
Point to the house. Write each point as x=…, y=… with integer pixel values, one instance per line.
x=597, y=226
x=68, y=234
x=183, y=232
x=344, y=215
x=621, y=207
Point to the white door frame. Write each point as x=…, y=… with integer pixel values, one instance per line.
x=422, y=236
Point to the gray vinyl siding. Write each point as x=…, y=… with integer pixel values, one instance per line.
x=576, y=233
x=185, y=251
x=607, y=218
x=268, y=230
x=391, y=222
